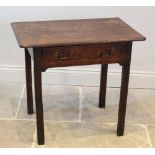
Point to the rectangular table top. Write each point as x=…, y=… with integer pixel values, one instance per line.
x=74, y=32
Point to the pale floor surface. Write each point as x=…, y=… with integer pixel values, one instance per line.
x=73, y=119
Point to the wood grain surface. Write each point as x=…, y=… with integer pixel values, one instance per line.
x=74, y=32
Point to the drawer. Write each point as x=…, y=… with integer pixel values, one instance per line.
x=60, y=53
x=82, y=52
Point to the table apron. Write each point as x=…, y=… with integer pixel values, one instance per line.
x=82, y=55
x=120, y=60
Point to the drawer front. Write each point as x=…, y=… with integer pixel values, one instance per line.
x=82, y=52
x=60, y=53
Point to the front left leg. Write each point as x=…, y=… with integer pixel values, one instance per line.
x=38, y=97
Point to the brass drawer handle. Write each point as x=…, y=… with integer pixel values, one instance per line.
x=104, y=53
x=62, y=56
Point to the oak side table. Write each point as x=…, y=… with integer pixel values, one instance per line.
x=72, y=43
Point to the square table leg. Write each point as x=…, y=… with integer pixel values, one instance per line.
x=103, y=85
x=124, y=91
x=28, y=82
x=123, y=98
x=38, y=96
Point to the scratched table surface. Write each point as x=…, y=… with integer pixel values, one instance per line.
x=74, y=32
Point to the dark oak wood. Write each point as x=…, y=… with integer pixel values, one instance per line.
x=123, y=94
x=46, y=65
x=28, y=82
x=71, y=43
x=74, y=32
x=82, y=52
x=38, y=96
x=103, y=85
x=83, y=55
